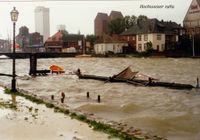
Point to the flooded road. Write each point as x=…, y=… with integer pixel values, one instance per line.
x=31, y=121
x=173, y=114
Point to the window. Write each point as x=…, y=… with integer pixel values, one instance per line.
x=158, y=36
x=114, y=49
x=145, y=37
x=158, y=48
x=139, y=47
x=118, y=48
x=163, y=47
x=145, y=46
x=139, y=37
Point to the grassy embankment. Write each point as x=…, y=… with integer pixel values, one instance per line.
x=8, y=105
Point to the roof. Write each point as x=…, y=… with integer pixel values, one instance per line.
x=170, y=26
x=148, y=26
x=111, y=39
x=73, y=37
x=56, y=37
x=102, y=16
x=152, y=26
x=60, y=35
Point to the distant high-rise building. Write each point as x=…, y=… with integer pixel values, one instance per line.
x=42, y=24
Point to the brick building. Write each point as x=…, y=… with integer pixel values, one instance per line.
x=115, y=14
x=101, y=22
x=23, y=38
x=27, y=41
x=62, y=41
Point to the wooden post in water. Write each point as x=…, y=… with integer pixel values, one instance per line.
x=63, y=97
x=197, y=86
x=52, y=97
x=99, y=98
x=33, y=64
x=88, y=95
x=62, y=100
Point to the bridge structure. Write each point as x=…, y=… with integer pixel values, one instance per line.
x=38, y=55
x=33, y=60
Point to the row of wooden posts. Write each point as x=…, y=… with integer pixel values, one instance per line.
x=98, y=97
x=87, y=95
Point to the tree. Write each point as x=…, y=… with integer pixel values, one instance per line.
x=130, y=21
x=149, y=48
x=142, y=18
x=116, y=26
x=91, y=38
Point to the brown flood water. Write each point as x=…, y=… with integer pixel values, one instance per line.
x=173, y=114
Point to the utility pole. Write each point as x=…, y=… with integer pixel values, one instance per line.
x=193, y=51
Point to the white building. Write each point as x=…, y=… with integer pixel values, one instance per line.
x=110, y=45
x=162, y=35
x=104, y=48
x=42, y=24
x=157, y=40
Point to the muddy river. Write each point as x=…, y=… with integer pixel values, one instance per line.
x=173, y=114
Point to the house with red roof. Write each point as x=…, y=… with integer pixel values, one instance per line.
x=62, y=41
x=110, y=44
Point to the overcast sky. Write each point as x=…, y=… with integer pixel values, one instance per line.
x=80, y=15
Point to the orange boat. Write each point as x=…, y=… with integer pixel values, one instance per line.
x=56, y=69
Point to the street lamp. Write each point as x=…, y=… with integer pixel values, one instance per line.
x=14, y=16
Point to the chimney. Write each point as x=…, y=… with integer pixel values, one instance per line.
x=139, y=23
